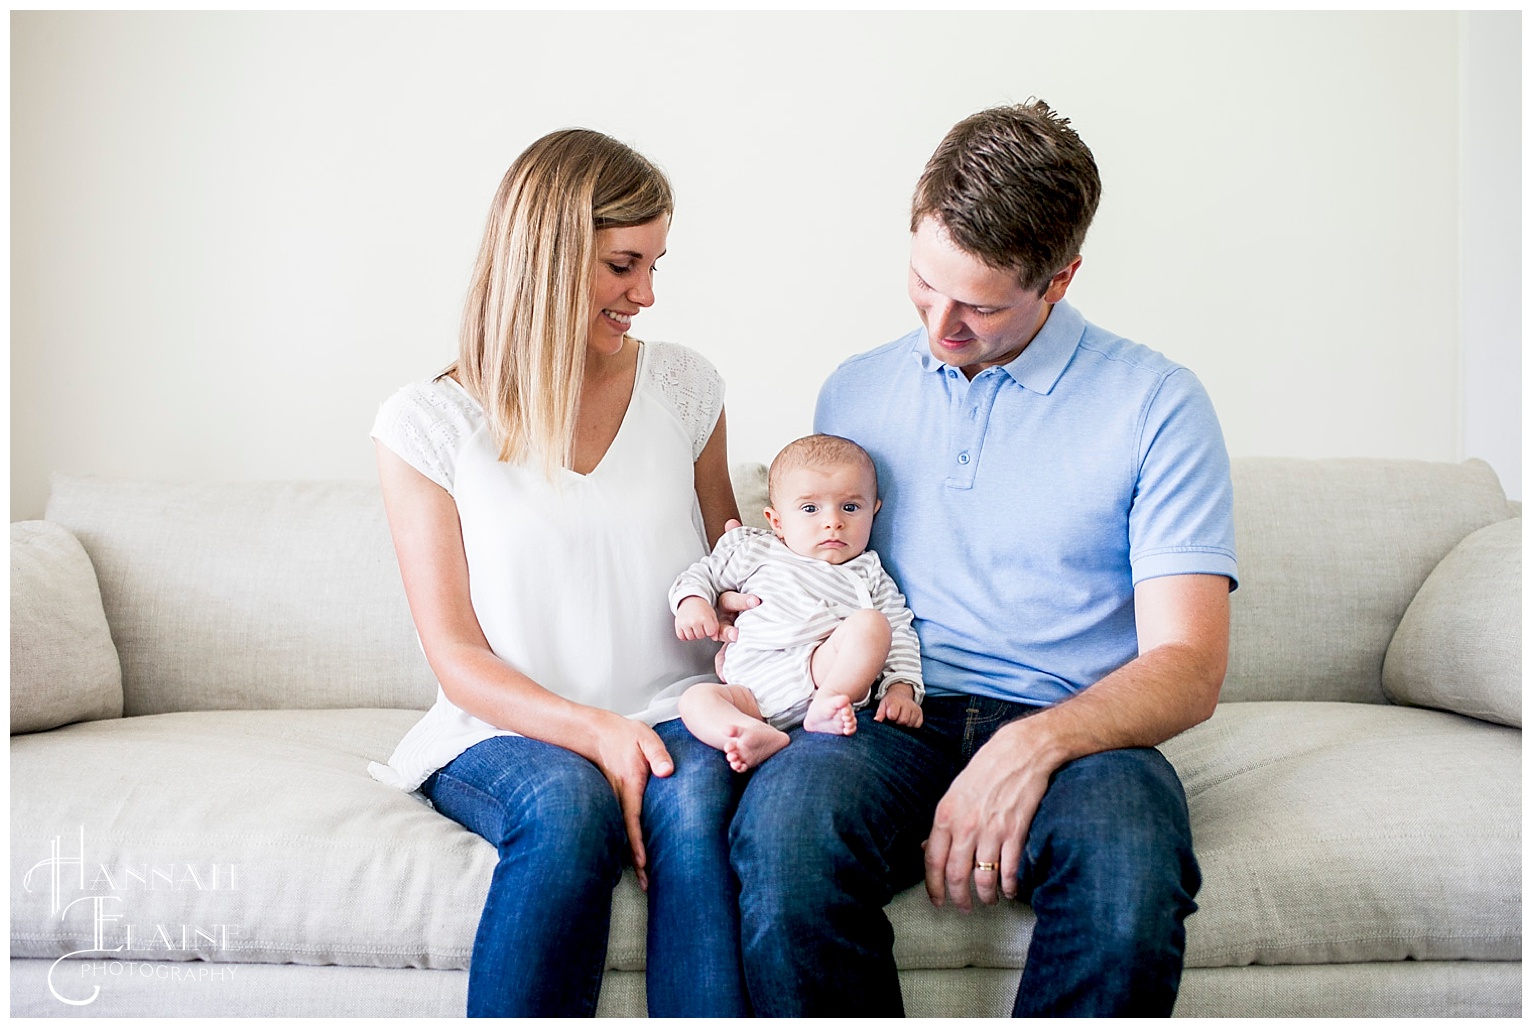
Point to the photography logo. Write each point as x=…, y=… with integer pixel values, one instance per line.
x=94, y=896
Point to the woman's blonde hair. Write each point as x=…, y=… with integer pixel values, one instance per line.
x=521, y=350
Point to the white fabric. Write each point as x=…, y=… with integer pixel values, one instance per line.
x=1459, y=645
x=248, y=595
x=568, y=577
x=1327, y=833
x=803, y=600
x=63, y=664
x=1444, y=988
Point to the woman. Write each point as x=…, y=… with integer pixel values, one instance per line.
x=542, y=494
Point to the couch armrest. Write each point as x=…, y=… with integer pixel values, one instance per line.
x=64, y=667
x=1458, y=646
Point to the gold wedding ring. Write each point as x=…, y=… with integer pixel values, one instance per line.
x=984, y=865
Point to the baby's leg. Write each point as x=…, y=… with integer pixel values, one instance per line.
x=727, y=718
x=844, y=667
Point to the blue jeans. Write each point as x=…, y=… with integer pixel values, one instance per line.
x=540, y=949
x=826, y=831
x=776, y=879
x=1108, y=870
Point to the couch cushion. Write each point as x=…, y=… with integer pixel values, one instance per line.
x=250, y=595
x=63, y=664
x=1338, y=833
x=751, y=492
x=271, y=812
x=1459, y=645
x=329, y=866
x=1331, y=552
x=1326, y=832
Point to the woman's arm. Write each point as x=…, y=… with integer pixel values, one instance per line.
x=720, y=512
x=715, y=493
x=428, y=540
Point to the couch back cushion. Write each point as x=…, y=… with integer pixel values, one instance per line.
x=248, y=596
x=1459, y=645
x=1331, y=553
x=63, y=664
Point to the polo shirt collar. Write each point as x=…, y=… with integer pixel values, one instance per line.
x=1038, y=367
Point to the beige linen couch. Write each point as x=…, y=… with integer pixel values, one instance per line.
x=200, y=674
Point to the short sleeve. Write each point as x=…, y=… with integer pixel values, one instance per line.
x=426, y=423
x=1182, y=518
x=692, y=387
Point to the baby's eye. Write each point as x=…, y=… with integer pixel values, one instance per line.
x=810, y=508
x=851, y=508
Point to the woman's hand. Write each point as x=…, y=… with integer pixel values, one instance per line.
x=628, y=752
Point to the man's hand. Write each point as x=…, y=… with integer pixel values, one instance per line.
x=1183, y=641
x=984, y=819
x=898, y=705
x=695, y=619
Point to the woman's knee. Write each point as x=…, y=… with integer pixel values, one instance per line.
x=567, y=811
x=698, y=797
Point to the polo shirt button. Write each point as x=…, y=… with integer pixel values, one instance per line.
x=963, y=457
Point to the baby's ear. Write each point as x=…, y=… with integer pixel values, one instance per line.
x=877, y=505
x=774, y=521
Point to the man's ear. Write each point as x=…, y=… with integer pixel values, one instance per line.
x=1059, y=284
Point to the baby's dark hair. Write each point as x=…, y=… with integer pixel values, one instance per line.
x=813, y=450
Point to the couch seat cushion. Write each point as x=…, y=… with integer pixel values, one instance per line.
x=1326, y=832
x=1336, y=832
x=264, y=821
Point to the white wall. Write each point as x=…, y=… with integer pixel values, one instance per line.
x=1489, y=105
x=234, y=234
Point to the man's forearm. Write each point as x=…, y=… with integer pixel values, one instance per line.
x=1160, y=694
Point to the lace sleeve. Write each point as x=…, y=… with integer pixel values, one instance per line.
x=425, y=423
x=691, y=385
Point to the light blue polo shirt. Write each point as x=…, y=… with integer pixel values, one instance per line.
x=1021, y=508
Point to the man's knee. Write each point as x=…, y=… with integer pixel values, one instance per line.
x=852, y=808
x=1113, y=830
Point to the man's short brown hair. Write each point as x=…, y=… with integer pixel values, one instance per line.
x=817, y=451
x=1015, y=187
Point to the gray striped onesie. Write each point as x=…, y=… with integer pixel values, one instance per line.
x=803, y=599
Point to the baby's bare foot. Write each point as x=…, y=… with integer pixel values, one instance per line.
x=747, y=745
x=830, y=712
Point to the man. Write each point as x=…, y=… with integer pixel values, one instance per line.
x=1058, y=512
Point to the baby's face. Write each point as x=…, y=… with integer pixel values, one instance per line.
x=824, y=512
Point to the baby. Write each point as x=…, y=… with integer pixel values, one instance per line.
x=830, y=622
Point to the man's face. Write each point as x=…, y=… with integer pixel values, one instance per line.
x=977, y=316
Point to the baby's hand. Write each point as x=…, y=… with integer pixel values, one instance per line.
x=898, y=705
x=696, y=619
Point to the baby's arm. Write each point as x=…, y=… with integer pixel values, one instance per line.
x=899, y=706
x=696, y=619
x=696, y=589
x=903, y=687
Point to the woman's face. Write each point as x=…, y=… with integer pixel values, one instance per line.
x=623, y=280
